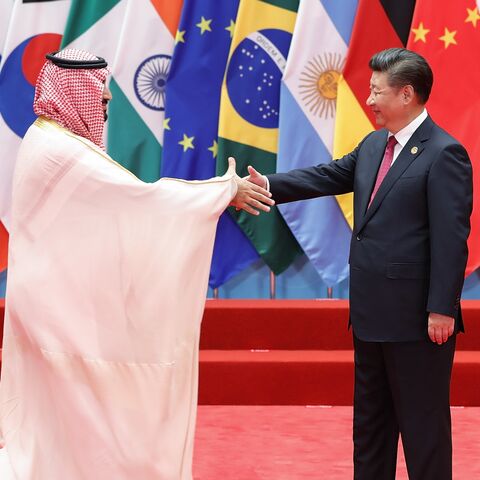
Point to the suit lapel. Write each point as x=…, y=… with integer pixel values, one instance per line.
x=409, y=153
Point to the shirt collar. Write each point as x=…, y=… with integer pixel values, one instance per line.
x=403, y=135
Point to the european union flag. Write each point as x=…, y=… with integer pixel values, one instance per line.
x=191, y=117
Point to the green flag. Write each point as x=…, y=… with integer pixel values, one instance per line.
x=140, y=62
x=249, y=109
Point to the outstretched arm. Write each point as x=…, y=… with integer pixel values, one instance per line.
x=333, y=178
x=250, y=197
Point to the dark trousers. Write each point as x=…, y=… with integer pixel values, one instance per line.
x=402, y=388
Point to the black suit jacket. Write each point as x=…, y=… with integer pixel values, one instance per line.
x=409, y=248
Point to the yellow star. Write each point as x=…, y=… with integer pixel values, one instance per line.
x=204, y=25
x=166, y=124
x=180, y=36
x=473, y=16
x=187, y=142
x=420, y=33
x=231, y=28
x=214, y=149
x=448, y=38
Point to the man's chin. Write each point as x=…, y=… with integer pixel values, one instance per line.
x=105, y=116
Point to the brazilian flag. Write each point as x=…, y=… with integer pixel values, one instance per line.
x=249, y=114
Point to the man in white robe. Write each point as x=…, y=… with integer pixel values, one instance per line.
x=107, y=283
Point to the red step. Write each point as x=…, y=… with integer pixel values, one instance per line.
x=292, y=325
x=297, y=352
x=304, y=377
x=297, y=325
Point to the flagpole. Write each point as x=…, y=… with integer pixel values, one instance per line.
x=273, y=286
x=330, y=292
x=215, y=293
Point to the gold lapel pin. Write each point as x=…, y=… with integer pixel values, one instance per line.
x=414, y=150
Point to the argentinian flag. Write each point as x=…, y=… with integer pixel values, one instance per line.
x=307, y=122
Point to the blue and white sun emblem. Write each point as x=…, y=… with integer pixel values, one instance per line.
x=150, y=81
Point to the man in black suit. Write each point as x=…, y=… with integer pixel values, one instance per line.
x=412, y=185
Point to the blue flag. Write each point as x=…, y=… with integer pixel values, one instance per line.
x=191, y=117
x=307, y=125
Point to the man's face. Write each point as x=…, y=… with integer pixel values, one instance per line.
x=106, y=97
x=387, y=103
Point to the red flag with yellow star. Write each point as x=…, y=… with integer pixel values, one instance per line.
x=447, y=34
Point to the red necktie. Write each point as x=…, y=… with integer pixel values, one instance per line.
x=384, y=166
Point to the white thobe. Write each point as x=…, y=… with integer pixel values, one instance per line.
x=106, y=289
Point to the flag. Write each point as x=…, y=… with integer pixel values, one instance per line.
x=6, y=7
x=191, y=118
x=447, y=34
x=95, y=27
x=249, y=114
x=140, y=60
x=35, y=29
x=307, y=122
x=5, y=12
x=140, y=71
x=389, y=22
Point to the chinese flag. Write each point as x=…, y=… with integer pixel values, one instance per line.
x=447, y=34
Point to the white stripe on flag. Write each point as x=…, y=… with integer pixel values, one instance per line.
x=27, y=20
x=317, y=55
x=102, y=37
x=6, y=7
x=144, y=36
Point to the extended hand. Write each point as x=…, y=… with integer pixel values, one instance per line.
x=440, y=327
x=256, y=177
x=250, y=196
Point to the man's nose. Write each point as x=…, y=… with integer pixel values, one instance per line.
x=370, y=100
x=107, y=94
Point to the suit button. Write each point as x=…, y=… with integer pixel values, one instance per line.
x=359, y=237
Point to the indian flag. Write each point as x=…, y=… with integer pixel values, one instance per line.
x=95, y=26
x=249, y=114
x=137, y=38
x=140, y=72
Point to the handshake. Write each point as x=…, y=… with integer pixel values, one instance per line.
x=252, y=195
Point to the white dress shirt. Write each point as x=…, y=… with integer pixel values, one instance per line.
x=403, y=135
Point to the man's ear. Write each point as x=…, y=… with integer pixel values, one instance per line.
x=408, y=94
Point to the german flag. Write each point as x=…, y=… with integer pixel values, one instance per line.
x=447, y=34
x=379, y=24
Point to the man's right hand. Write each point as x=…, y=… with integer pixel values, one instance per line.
x=256, y=177
x=250, y=196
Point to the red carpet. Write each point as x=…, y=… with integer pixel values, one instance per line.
x=298, y=443
x=299, y=352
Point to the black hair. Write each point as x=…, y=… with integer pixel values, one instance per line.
x=404, y=67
